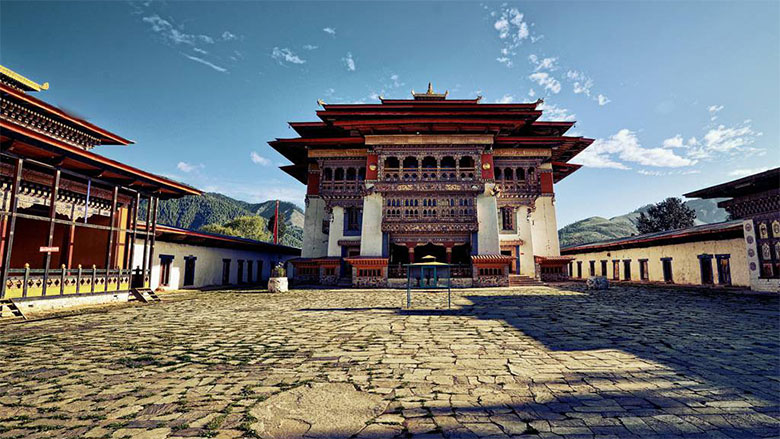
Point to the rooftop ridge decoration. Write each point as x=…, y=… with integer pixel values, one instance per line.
x=20, y=82
x=430, y=95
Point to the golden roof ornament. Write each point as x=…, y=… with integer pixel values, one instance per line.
x=20, y=81
x=430, y=95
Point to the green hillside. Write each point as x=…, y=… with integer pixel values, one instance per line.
x=596, y=228
x=195, y=212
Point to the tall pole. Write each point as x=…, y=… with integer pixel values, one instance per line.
x=152, y=238
x=276, y=223
x=110, y=246
x=11, y=226
x=55, y=187
x=146, y=241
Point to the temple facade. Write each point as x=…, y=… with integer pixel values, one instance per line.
x=471, y=184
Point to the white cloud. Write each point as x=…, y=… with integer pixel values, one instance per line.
x=206, y=63
x=258, y=159
x=547, y=81
x=168, y=31
x=727, y=139
x=553, y=112
x=395, y=80
x=286, y=55
x=603, y=100
x=674, y=142
x=513, y=30
x=228, y=36
x=531, y=93
x=189, y=167
x=749, y=171
x=624, y=146
x=329, y=30
x=544, y=63
x=199, y=50
x=310, y=47
x=714, y=109
x=505, y=60
x=349, y=62
x=206, y=39
x=506, y=99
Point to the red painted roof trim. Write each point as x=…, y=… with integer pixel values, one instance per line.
x=100, y=159
x=115, y=139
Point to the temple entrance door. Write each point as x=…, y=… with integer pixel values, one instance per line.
x=346, y=267
x=511, y=266
x=437, y=251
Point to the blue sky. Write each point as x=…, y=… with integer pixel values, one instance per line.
x=679, y=95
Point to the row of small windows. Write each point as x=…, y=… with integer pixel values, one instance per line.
x=430, y=202
x=491, y=271
x=341, y=174
x=763, y=230
x=705, y=266
x=428, y=213
x=369, y=272
x=511, y=174
x=429, y=162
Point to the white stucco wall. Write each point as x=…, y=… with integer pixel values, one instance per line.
x=522, y=232
x=750, y=242
x=336, y=232
x=371, y=228
x=685, y=261
x=315, y=243
x=208, y=265
x=487, y=218
x=544, y=227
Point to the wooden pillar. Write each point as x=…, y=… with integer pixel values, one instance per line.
x=132, y=222
x=411, y=253
x=151, y=243
x=111, y=232
x=146, y=241
x=448, y=248
x=68, y=251
x=55, y=187
x=11, y=227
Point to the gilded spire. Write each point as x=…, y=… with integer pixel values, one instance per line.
x=430, y=95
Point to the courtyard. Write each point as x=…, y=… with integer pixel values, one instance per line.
x=530, y=362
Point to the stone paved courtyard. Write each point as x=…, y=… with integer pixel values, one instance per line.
x=537, y=361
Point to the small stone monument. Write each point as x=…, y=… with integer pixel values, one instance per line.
x=278, y=281
x=597, y=283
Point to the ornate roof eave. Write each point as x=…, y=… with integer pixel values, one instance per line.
x=106, y=137
x=24, y=83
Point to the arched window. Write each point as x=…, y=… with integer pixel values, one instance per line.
x=448, y=162
x=429, y=162
x=466, y=162
x=392, y=163
x=362, y=174
x=499, y=175
x=410, y=163
x=508, y=175
x=531, y=174
x=339, y=174
x=520, y=174
x=327, y=174
x=351, y=174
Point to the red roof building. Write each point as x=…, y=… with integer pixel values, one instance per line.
x=451, y=178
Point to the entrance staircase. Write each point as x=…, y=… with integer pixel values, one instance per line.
x=9, y=310
x=144, y=295
x=516, y=280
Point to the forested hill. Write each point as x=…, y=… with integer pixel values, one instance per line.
x=596, y=228
x=194, y=212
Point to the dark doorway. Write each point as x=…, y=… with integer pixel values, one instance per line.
x=705, y=265
x=225, y=271
x=437, y=251
x=724, y=269
x=667, y=267
x=189, y=271
x=240, y=273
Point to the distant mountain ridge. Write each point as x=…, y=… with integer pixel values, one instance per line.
x=595, y=229
x=194, y=212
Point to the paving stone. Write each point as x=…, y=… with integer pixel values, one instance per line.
x=546, y=362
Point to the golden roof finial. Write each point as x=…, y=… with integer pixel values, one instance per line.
x=25, y=83
x=320, y=102
x=430, y=89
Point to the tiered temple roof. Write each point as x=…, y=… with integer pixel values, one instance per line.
x=344, y=126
